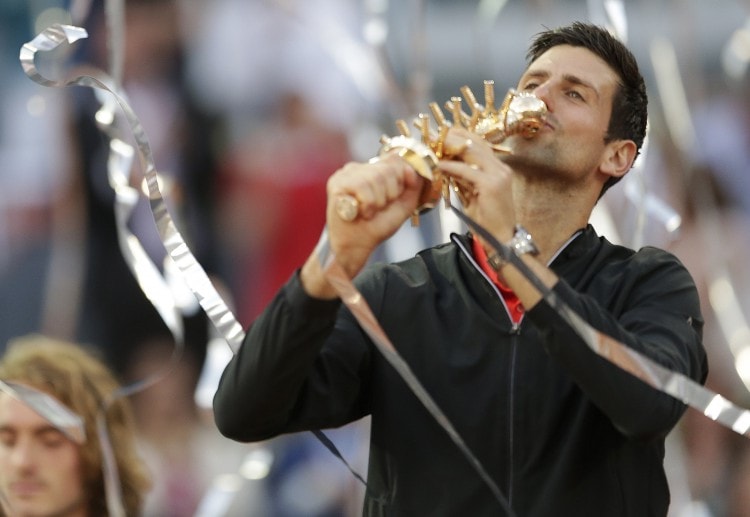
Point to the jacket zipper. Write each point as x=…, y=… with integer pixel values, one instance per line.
x=515, y=331
x=511, y=413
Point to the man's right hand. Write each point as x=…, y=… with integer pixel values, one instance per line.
x=387, y=191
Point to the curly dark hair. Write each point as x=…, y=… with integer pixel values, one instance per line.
x=630, y=102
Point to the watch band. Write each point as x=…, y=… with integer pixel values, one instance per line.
x=520, y=244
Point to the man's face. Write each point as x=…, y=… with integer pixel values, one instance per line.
x=578, y=87
x=40, y=468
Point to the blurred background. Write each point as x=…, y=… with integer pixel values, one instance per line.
x=248, y=106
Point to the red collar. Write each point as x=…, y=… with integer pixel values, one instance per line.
x=511, y=300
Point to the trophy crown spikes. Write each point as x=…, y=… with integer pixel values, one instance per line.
x=520, y=113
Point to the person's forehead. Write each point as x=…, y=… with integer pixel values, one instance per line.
x=575, y=61
x=46, y=407
x=16, y=414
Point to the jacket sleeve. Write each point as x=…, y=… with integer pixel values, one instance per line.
x=289, y=374
x=658, y=315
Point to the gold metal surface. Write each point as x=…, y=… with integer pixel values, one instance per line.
x=520, y=113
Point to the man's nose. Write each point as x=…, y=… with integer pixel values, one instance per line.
x=544, y=93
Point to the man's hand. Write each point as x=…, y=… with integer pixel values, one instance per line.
x=387, y=191
x=485, y=181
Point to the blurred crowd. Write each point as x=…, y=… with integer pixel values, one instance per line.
x=248, y=106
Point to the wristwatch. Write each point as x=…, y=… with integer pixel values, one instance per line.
x=520, y=244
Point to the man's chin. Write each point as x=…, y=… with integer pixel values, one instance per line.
x=30, y=504
x=516, y=158
x=35, y=507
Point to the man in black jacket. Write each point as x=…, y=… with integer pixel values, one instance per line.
x=559, y=429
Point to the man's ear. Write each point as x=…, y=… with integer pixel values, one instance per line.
x=618, y=158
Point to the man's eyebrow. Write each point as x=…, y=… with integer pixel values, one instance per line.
x=574, y=79
x=569, y=78
x=536, y=74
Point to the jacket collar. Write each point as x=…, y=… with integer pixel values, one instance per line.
x=580, y=243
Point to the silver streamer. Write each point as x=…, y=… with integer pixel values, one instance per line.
x=711, y=404
x=723, y=298
x=150, y=279
x=62, y=418
x=122, y=154
x=53, y=411
x=359, y=308
x=679, y=386
x=611, y=14
x=148, y=275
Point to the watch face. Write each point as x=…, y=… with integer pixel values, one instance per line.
x=522, y=242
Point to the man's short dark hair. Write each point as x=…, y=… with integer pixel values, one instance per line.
x=630, y=102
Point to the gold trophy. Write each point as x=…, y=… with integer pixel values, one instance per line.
x=520, y=113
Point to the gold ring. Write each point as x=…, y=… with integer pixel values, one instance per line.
x=347, y=207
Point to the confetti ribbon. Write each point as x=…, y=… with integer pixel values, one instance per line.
x=149, y=278
x=60, y=416
x=679, y=386
x=711, y=404
x=360, y=309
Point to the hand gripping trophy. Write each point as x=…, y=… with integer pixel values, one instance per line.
x=520, y=113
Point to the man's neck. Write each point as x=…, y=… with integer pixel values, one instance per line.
x=551, y=214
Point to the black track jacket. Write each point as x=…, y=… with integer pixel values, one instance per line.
x=562, y=431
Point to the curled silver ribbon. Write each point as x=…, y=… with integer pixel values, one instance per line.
x=193, y=273
x=47, y=40
x=149, y=278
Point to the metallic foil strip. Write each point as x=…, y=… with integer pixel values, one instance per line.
x=722, y=297
x=120, y=160
x=679, y=386
x=145, y=271
x=149, y=278
x=119, y=163
x=49, y=39
x=360, y=309
x=194, y=275
x=79, y=10
x=112, y=483
x=648, y=207
x=52, y=410
x=114, y=11
x=615, y=10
